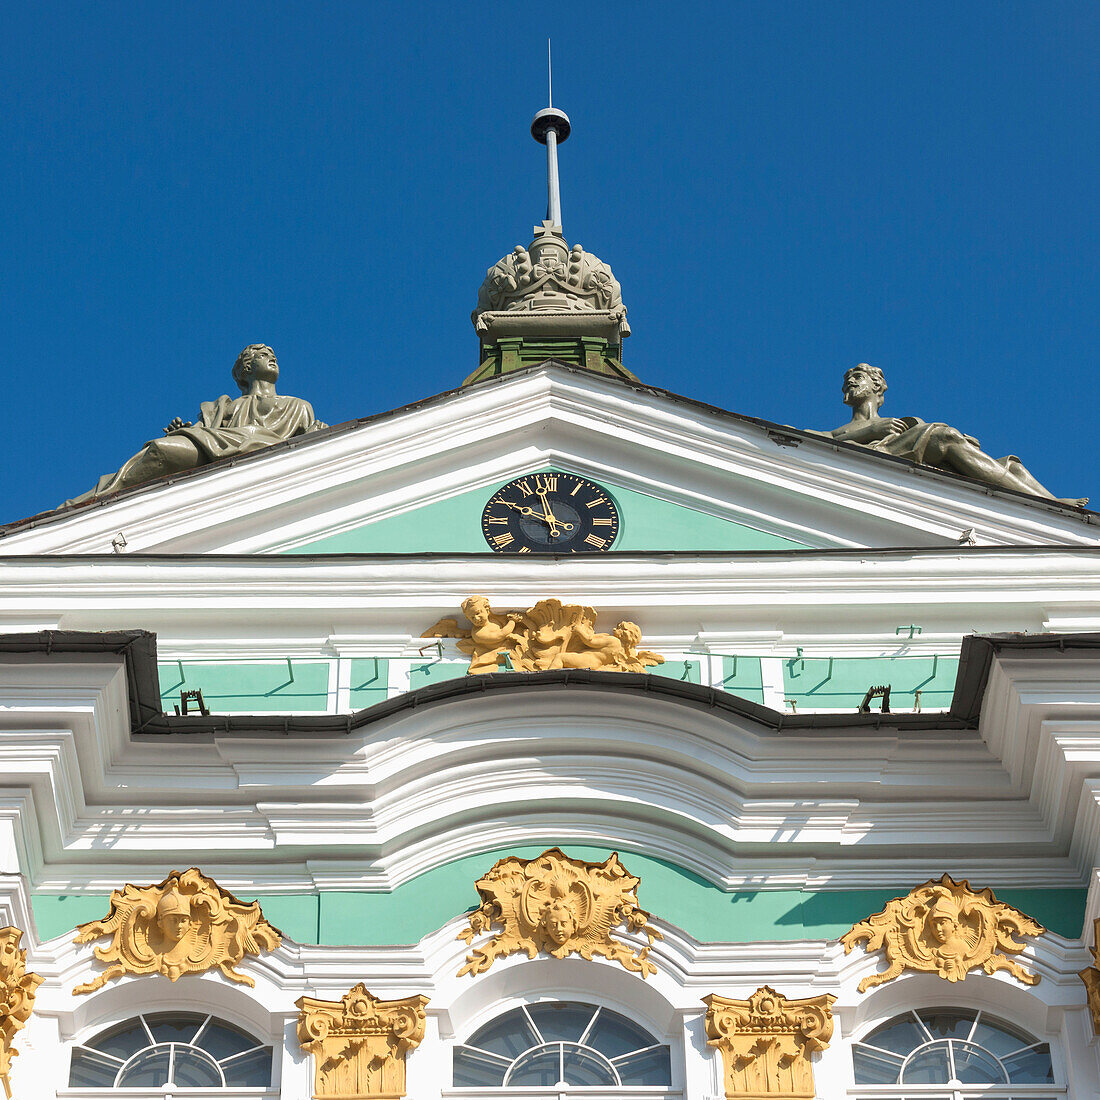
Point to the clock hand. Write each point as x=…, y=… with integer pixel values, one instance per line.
x=547, y=514
x=531, y=512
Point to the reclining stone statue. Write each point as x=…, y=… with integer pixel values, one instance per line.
x=937, y=445
x=228, y=426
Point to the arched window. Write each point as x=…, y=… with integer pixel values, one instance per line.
x=558, y=1045
x=182, y=1049
x=969, y=1054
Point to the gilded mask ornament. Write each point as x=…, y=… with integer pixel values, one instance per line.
x=548, y=635
x=945, y=928
x=1091, y=977
x=559, y=905
x=766, y=1042
x=186, y=924
x=17, y=993
x=359, y=1043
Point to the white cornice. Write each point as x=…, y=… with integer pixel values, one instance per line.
x=292, y=606
x=818, y=493
x=737, y=804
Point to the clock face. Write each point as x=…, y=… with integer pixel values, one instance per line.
x=555, y=513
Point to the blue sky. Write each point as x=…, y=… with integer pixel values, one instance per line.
x=783, y=190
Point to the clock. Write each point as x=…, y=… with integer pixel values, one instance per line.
x=553, y=513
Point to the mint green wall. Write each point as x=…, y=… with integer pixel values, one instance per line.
x=669, y=892
x=369, y=681
x=252, y=688
x=843, y=681
x=432, y=671
x=742, y=676
x=687, y=670
x=454, y=526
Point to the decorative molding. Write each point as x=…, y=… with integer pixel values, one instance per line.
x=945, y=928
x=559, y=905
x=186, y=924
x=766, y=1042
x=359, y=1043
x=546, y=636
x=17, y=993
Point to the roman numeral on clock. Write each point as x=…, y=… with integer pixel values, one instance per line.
x=503, y=540
x=596, y=541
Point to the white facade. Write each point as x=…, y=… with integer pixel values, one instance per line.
x=748, y=822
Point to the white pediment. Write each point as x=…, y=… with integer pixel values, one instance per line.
x=696, y=477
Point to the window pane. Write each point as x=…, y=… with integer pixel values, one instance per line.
x=583, y=1067
x=222, y=1041
x=122, y=1042
x=875, y=1069
x=509, y=1035
x=252, y=1069
x=945, y=1024
x=472, y=1069
x=899, y=1036
x=148, y=1068
x=973, y=1066
x=562, y=1021
x=651, y=1068
x=540, y=1068
x=195, y=1068
x=614, y=1035
x=88, y=1068
x=1031, y=1067
x=998, y=1039
x=174, y=1029
x=929, y=1067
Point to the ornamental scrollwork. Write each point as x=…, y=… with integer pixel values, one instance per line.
x=186, y=924
x=548, y=635
x=18, y=988
x=945, y=928
x=359, y=1043
x=766, y=1042
x=559, y=905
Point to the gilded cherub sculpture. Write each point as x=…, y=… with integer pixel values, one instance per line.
x=559, y=905
x=186, y=924
x=549, y=635
x=256, y=419
x=945, y=928
x=937, y=445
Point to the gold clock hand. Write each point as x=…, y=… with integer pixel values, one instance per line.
x=547, y=514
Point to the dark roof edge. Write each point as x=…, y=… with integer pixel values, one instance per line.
x=138, y=649
x=977, y=656
x=781, y=434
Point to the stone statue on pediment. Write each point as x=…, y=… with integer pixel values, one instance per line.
x=227, y=427
x=937, y=445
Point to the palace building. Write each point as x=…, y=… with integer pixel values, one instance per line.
x=555, y=736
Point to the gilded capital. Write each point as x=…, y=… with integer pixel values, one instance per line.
x=559, y=905
x=186, y=924
x=359, y=1043
x=17, y=992
x=766, y=1042
x=1091, y=977
x=945, y=928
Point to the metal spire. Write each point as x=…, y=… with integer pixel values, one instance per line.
x=551, y=126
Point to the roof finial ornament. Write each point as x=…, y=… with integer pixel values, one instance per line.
x=549, y=127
